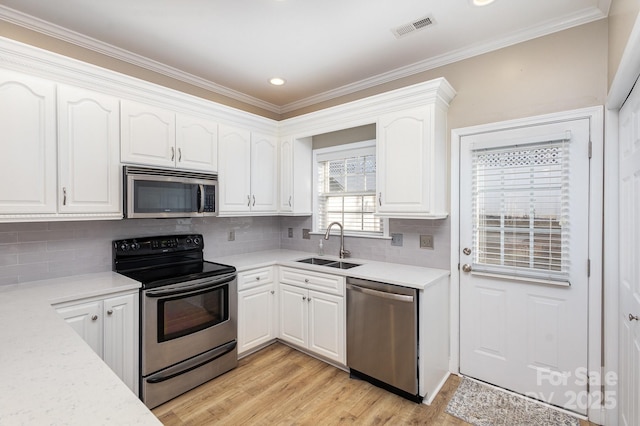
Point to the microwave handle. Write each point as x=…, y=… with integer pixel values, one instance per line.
x=201, y=191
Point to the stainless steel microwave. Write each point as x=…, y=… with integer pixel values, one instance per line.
x=163, y=193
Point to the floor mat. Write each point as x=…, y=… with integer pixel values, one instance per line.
x=482, y=405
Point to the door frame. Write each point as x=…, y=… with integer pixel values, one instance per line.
x=596, y=127
x=622, y=84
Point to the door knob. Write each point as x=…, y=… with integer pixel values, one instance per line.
x=466, y=267
x=634, y=318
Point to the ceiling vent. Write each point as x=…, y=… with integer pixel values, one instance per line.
x=411, y=27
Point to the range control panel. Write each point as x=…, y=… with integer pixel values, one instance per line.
x=154, y=245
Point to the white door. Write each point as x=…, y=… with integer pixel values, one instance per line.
x=86, y=320
x=294, y=317
x=148, y=135
x=264, y=173
x=120, y=351
x=196, y=143
x=28, y=160
x=629, y=266
x=88, y=152
x=255, y=317
x=234, y=168
x=524, y=209
x=327, y=325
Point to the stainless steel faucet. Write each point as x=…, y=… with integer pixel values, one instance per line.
x=343, y=253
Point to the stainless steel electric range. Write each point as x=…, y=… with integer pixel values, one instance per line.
x=188, y=311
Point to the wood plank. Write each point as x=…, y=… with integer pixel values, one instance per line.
x=280, y=385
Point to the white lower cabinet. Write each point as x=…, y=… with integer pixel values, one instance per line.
x=257, y=304
x=312, y=319
x=109, y=325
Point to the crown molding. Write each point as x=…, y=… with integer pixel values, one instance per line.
x=546, y=28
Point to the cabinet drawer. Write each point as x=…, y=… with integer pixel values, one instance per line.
x=255, y=277
x=313, y=280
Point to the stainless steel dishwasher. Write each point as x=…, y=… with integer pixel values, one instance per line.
x=382, y=335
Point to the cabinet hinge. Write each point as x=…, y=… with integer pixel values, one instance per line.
x=588, y=267
x=590, y=149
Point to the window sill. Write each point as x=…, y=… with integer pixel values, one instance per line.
x=346, y=234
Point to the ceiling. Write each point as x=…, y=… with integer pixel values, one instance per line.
x=322, y=48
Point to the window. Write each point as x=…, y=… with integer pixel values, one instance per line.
x=521, y=213
x=346, y=189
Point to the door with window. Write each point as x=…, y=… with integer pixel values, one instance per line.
x=524, y=208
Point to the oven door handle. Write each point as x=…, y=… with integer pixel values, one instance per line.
x=188, y=288
x=194, y=363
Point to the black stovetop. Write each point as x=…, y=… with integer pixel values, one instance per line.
x=164, y=260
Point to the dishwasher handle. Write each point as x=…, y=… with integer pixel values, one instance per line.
x=382, y=294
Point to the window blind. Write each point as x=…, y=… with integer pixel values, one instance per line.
x=521, y=210
x=347, y=191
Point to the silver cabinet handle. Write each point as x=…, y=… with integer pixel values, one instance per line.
x=173, y=153
x=273, y=292
x=248, y=200
x=289, y=200
x=308, y=299
x=306, y=280
x=380, y=198
x=64, y=195
x=179, y=154
x=634, y=317
x=110, y=312
x=94, y=318
x=304, y=297
x=257, y=278
x=254, y=200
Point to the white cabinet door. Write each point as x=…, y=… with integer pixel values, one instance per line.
x=264, y=173
x=86, y=320
x=411, y=163
x=88, y=152
x=196, y=143
x=28, y=160
x=256, y=317
x=148, y=135
x=234, y=149
x=120, y=351
x=294, y=316
x=286, y=176
x=295, y=176
x=327, y=326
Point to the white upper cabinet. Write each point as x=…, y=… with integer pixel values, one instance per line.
x=295, y=176
x=248, y=174
x=196, y=143
x=234, y=150
x=88, y=152
x=412, y=163
x=160, y=137
x=28, y=160
x=264, y=173
x=148, y=135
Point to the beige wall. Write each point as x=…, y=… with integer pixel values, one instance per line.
x=561, y=71
x=622, y=17
x=354, y=134
x=73, y=51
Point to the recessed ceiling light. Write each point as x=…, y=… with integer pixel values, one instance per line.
x=482, y=2
x=277, y=81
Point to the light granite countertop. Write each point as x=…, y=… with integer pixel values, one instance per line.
x=393, y=273
x=48, y=374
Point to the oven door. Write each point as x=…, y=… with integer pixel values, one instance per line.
x=187, y=319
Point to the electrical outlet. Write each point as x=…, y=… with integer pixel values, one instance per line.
x=290, y=232
x=232, y=236
x=396, y=240
x=305, y=234
x=426, y=241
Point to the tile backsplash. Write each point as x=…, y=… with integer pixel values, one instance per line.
x=34, y=251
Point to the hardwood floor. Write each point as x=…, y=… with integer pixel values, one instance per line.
x=280, y=385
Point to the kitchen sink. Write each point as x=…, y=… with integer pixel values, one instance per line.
x=330, y=263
